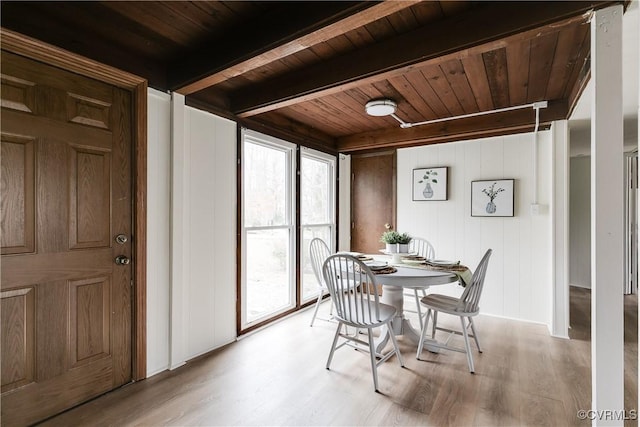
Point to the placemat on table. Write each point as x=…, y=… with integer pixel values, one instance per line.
x=462, y=271
x=386, y=270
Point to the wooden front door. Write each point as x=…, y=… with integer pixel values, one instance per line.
x=373, y=199
x=66, y=193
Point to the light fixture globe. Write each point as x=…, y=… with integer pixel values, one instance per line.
x=380, y=107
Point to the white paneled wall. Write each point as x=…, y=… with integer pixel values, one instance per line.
x=211, y=216
x=158, y=231
x=191, y=206
x=519, y=279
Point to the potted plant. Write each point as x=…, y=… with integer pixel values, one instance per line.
x=394, y=241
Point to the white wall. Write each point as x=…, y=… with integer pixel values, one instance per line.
x=580, y=222
x=519, y=278
x=192, y=172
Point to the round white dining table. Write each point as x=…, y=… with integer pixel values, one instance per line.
x=393, y=285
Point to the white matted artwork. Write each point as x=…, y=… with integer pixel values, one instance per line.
x=430, y=183
x=492, y=197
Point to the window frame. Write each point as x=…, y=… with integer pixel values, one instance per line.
x=332, y=186
x=290, y=224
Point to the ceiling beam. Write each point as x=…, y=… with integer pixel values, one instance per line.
x=221, y=69
x=482, y=28
x=455, y=130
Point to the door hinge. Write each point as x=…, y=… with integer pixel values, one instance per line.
x=353, y=224
x=131, y=283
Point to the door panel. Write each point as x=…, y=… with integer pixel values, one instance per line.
x=66, y=193
x=17, y=308
x=373, y=199
x=18, y=194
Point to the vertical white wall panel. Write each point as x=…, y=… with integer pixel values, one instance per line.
x=607, y=241
x=560, y=226
x=179, y=232
x=225, y=210
x=158, y=230
x=519, y=280
x=211, y=224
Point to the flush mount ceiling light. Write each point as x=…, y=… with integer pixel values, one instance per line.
x=380, y=107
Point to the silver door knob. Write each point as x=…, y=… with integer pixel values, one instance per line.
x=122, y=260
x=121, y=239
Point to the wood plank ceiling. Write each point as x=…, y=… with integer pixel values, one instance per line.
x=305, y=70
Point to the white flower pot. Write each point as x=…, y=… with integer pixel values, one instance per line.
x=397, y=248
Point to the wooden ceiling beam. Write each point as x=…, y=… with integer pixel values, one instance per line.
x=481, y=29
x=455, y=130
x=247, y=61
x=294, y=28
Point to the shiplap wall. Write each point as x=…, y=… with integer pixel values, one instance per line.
x=201, y=157
x=519, y=279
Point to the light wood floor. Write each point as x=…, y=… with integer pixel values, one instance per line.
x=277, y=377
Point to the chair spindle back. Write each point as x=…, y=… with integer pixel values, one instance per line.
x=353, y=288
x=318, y=253
x=470, y=298
x=422, y=247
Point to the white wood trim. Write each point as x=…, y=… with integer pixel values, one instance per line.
x=344, y=203
x=560, y=230
x=607, y=322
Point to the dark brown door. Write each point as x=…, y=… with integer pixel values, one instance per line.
x=66, y=193
x=373, y=199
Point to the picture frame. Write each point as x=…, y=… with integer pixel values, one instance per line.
x=430, y=184
x=492, y=198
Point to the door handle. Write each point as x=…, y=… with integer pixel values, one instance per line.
x=122, y=260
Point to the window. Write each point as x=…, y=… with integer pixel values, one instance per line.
x=268, y=244
x=317, y=210
x=268, y=284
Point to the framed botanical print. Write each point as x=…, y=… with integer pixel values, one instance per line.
x=492, y=197
x=430, y=184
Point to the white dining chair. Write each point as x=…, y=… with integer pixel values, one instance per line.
x=421, y=247
x=318, y=253
x=465, y=307
x=360, y=309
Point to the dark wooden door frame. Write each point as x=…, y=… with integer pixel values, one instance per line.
x=34, y=49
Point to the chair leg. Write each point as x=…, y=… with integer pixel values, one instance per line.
x=333, y=346
x=372, y=354
x=467, y=346
x=315, y=311
x=415, y=291
x=475, y=334
x=435, y=324
x=423, y=334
